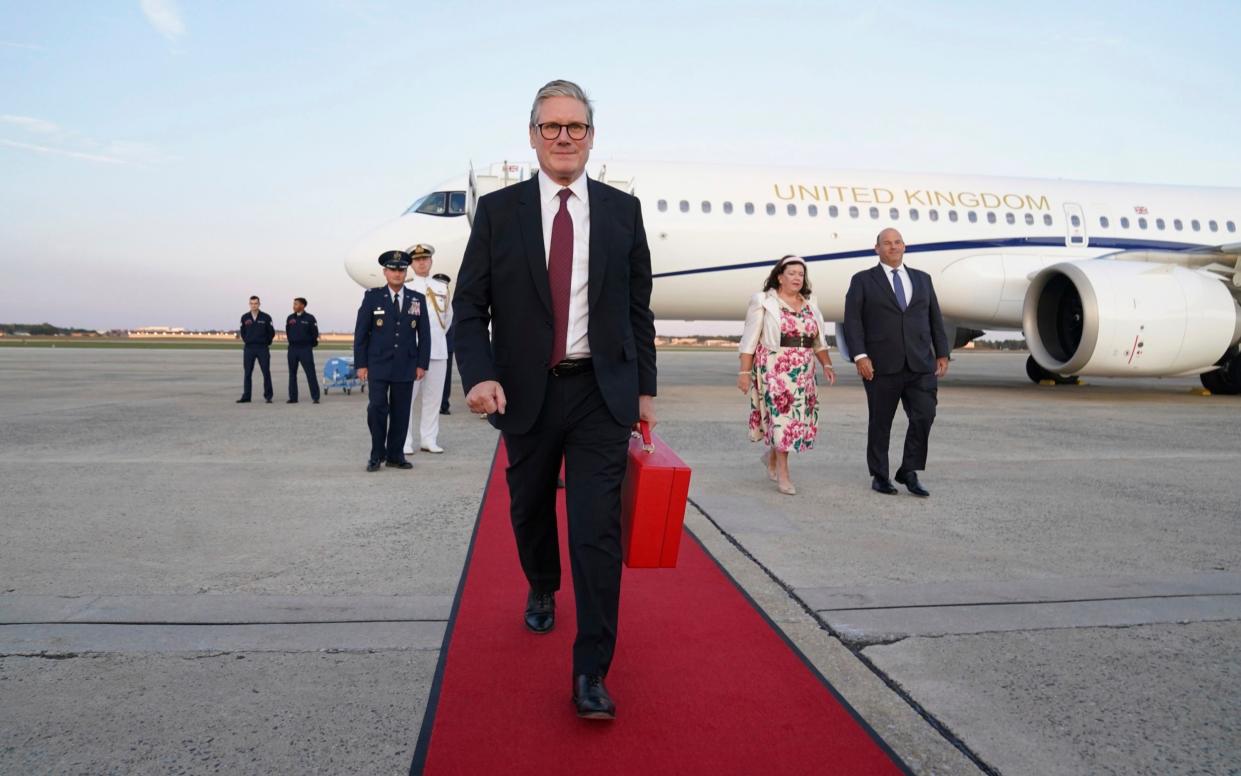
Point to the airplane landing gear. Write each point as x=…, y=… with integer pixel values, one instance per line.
x=1226, y=380
x=1038, y=374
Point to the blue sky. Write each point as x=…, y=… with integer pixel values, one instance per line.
x=161, y=160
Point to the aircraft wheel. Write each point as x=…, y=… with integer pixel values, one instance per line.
x=1223, y=381
x=1038, y=374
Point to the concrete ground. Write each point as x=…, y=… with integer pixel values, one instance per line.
x=191, y=586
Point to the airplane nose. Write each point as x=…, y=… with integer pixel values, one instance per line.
x=447, y=235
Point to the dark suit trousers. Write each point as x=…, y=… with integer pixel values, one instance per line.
x=447, y=384
x=261, y=354
x=917, y=391
x=575, y=424
x=387, y=415
x=302, y=355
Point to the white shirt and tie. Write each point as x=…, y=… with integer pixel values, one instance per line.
x=577, y=344
x=907, y=288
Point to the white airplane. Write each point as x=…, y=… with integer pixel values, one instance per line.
x=1103, y=278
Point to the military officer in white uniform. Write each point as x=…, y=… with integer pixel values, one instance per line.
x=439, y=313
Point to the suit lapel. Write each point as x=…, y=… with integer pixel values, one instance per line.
x=599, y=199
x=530, y=219
x=881, y=277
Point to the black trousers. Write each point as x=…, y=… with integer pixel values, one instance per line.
x=261, y=354
x=575, y=425
x=304, y=356
x=447, y=384
x=917, y=392
x=387, y=416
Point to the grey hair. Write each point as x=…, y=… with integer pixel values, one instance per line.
x=559, y=88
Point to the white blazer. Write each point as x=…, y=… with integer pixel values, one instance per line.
x=762, y=322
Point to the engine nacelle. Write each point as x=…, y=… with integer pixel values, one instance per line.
x=1118, y=318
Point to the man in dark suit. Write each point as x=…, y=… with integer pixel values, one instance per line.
x=391, y=349
x=559, y=267
x=896, y=333
x=257, y=332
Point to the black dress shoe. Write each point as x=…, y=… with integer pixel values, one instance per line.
x=910, y=481
x=445, y=411
x=267, y=400
x=540, y=611
x=372, y=466
x=882, y=485
x=316, y=401
x=243, y=400
x=291, y=401
x=591, y=698
x=399, y=464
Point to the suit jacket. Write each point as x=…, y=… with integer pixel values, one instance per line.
x=392, y=343
x=503, y=284
x=894, y=340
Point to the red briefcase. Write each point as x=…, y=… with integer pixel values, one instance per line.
x=652, y=502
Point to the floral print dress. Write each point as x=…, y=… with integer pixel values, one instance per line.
x=784, y=406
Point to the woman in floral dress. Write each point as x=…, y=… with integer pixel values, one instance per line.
x=783, y=337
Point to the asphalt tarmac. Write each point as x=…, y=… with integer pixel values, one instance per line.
x=188, y=585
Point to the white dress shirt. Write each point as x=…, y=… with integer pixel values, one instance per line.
x=436, y=292
x=577, y=344
x=906, y=285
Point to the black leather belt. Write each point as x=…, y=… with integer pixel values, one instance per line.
x=795, y=341
x=571, y=366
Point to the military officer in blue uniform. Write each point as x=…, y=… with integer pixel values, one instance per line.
x=302, y=331
x=256, y=332
x=391, y=349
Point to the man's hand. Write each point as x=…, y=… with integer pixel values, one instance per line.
x=419, y=373
x=941, y=366
x=646, y=410
x=362, y=373
x=486, y=397
x=865, y=368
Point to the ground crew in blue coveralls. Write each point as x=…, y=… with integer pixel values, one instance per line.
x=302, y=331
x=256, y=332
x=391, y=349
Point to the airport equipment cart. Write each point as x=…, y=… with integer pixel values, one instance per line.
x=338, y=372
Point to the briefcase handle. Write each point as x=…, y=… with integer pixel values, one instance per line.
x=644, y=431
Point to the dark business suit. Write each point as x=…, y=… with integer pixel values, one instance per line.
x=391, y=345
x=902, y=346
x=583, y=417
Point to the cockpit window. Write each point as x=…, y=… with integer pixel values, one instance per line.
x=440, y=203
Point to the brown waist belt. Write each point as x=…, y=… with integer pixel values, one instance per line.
x=795, y=341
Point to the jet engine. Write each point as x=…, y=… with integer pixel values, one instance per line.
x=1121, y=318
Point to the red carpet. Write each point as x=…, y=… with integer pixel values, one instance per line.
x=703, y=682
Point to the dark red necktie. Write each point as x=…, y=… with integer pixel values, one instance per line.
x=560, y=276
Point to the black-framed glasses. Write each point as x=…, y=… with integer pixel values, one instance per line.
x=550, y=130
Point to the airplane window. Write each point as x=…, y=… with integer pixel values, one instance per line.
x=1124, y=222
x=1075, y=221
x=932, y=214
x=456, y=203
x=1159, y=224
x=973, y=216
x=853, y=211
x=1103, y=222
x=1029, y=219
x=1231, y=226
x=749, y=208
x=792, y=209
x=894, y=214
x=706, y=206
x=435, y=204
x=1046, y=219
x=913, y=214
x=812, y=210
x=952, y=216
x=1010, y=218
x=1195, y=225
x=663, y=205
x=684, y=206
x=874, y=213
x=991, y=218
x=728, y=207
x=771, y=209
x=1141, y=223
x=1214, y=227
x=833, y=211
x=1177, y=225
